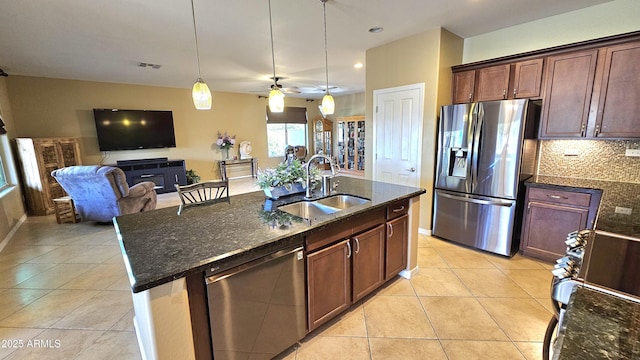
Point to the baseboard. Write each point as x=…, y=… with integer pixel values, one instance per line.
x=407, y=274
x=13, y=231
x=422, y=231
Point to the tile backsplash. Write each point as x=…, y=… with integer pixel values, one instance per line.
x=590, y=159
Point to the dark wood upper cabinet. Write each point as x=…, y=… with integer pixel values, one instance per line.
x=527, y=79
x=492, y=83
x=567, y=97
x=619, y=104
x=463, y=86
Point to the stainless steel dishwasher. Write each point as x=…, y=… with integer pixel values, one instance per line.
x=257, y=310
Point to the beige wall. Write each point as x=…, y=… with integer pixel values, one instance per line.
x=615, y=17
x=53, y=107
x=422, y=58
x=11, y=208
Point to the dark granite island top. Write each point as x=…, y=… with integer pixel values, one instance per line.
x=599, y=326
x=160, y=246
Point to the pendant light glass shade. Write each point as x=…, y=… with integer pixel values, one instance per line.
x=276, y=96
x=328, y=105
x=200, y=92
x=276, y=101
x=201, y=95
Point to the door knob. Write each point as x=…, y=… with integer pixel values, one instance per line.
x=411, y=169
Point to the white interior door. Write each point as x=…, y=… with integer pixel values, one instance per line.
x=397, y=123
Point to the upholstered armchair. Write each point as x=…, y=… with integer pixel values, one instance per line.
x=102, y=192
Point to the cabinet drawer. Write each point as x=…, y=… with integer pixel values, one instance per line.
x=397, y=209
x=560, y=197
x=344, y=229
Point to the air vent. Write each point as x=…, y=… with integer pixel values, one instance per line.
x=149, y=65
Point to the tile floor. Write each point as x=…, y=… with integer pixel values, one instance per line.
x=64, y=294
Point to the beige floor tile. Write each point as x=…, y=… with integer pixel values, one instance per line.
x=121, y=284
x=535, y=282
x=546, y=303
x=406, y=349
x=113, y=306
x=323, y=348
x=463, y=258
x=106, y=237
x=490, y=283
x=397, y=316
x=24, y=253
x=423, y=241
x=16, y=340
x=21, y=272
x=429, y=258
x=398, y=286
x=348, y=324
x=121, y=345
x=531, y=350
x=60, y=255
x=98, y=277
x=461, y=318
x=438, y=282
x=481, y=350
x=440, y=243
x=521, y=319
x=55, y=277
x=94, y=254
x=125, y=323
x=57, y=344
x=12, y=300
x=516, y=262
x=49, y=309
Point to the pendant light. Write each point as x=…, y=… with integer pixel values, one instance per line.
x=328, y=105
x=276, y=97
x=200, y=93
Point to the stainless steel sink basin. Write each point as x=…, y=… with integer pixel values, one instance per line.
x=342, y=201
x=324, y=206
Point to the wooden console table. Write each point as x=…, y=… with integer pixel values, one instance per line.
x=253, y=162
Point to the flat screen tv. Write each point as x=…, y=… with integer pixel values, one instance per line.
x=134, y=129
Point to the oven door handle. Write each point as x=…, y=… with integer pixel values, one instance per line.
x=477, y=201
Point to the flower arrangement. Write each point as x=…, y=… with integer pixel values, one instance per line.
x=225, y=142
x=285, y=174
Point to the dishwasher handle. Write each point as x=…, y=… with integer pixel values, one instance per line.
x=253, y=263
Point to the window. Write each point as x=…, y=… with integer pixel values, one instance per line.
x=286, y=128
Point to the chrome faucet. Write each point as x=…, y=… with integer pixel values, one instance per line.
x=333, y=171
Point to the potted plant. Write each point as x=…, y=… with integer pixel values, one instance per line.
x=287, y=178
x=192, y=177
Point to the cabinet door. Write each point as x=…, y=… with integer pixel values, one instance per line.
x=619, y=108
x=368, y=261
x=492, y=83
x=397, y=242
x=527, y=77
x=463, y=85
x=546, y=228
x=328, y=283
x=567, y=96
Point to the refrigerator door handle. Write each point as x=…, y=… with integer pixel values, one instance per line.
x=478, y=201
x=478, y=121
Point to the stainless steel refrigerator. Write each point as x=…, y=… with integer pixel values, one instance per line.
x=485, y=152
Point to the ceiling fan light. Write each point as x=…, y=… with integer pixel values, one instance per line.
x=328, y=105
x=201, y=95
x=276, y=101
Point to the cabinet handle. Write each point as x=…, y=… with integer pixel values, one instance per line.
x=515, y=91
x=583, y=128
x=147, y=175
x=389, y=230
x=597, y=131
x=348, y=249
x=470, y=96
x=398, y=209
x=504, y=93
x=357, y=244
x=176, y=176
x=558, y=197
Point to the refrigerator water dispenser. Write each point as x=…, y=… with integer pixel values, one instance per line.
x=458, y=162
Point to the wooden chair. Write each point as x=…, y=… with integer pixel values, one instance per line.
x=206, y=192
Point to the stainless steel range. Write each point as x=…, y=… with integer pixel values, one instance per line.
x=595, y=259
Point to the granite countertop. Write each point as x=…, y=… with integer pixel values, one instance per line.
x=160, y=246
x=614, y=194
x=599, y=326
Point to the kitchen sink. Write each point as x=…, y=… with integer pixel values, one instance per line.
x=323, y=206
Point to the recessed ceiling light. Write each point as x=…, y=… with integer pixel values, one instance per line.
x=376, y=29
x=358, y=65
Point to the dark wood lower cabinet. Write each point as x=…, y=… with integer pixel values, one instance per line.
x=368, y=261
x=396, y=246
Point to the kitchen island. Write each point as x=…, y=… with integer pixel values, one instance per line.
x=167, y=255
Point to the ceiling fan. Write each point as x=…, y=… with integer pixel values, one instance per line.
x=286, y=90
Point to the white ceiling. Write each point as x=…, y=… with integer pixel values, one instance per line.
x=104, y=40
